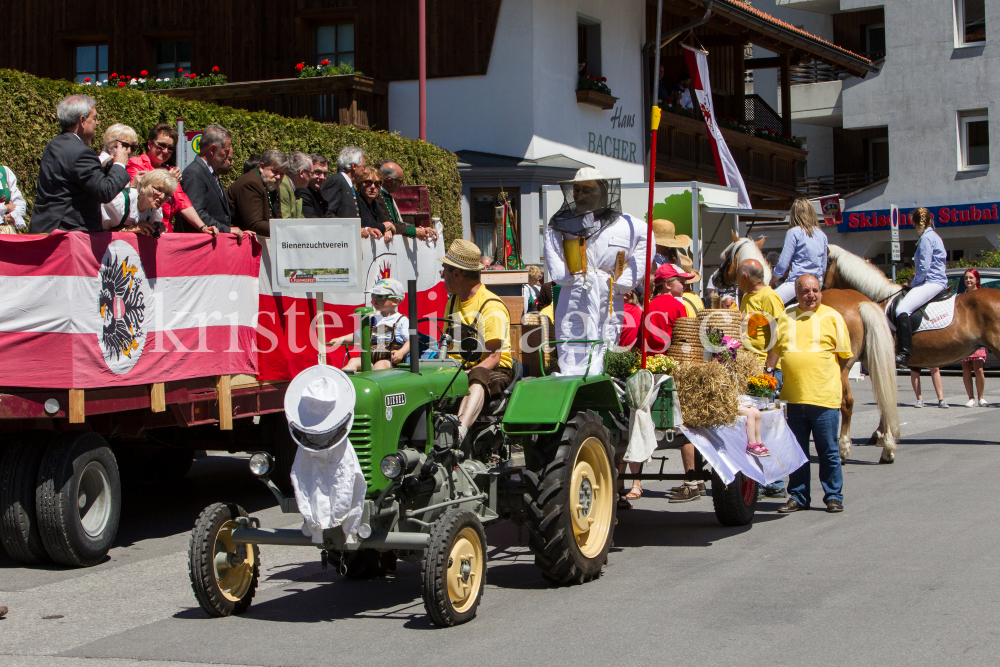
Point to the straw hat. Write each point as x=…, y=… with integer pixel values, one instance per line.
x=463, y=255
x=666, y=235
x=585, y=174
x=687, y=266
x=318, y=401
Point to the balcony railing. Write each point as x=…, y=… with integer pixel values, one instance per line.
x=843, y=184
x=345, y=100
x=759, y=114
x=684, y=153
x=817, y=72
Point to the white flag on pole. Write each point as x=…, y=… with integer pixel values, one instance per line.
x=729, y=173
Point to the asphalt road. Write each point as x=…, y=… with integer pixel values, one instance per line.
x=905, y=576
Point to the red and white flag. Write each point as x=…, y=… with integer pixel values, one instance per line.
x=729, y=173
x=85, y=311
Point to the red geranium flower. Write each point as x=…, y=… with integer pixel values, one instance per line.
x=114, y=75
x=602, y=79
x=121, y=84
x=215, y=69
x=143, y=73
x=86, y=79
x=324, y=62
x=300, y=66
x=180, y=69
x=193, y=75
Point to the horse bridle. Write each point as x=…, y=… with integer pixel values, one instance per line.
x=727, y=260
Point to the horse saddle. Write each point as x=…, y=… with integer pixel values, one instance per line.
x=935, y=314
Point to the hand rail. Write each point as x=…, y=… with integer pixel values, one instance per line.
x=590, y=354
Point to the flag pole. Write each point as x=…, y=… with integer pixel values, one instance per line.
x=654, y=124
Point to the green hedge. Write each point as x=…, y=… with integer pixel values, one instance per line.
x=30, y=122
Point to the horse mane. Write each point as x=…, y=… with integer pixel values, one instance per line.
x=745, y=249
x=859, y=275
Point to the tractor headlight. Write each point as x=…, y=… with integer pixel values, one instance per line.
x=261, y=464
x=392, y=466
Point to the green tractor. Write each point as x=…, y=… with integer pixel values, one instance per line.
x=430, y=495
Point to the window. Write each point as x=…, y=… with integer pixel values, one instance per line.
x=171, y=56
x=875, y=41
x=588, y=45
x=970, y=22
x=974, y=138
x=878, y=156
x=335, y=43
x=91, y=62
x=485, y=230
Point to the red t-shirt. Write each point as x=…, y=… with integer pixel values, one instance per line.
x=631, y=326
x=140, y=165
x=664, y=310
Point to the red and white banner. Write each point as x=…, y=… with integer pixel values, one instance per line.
x=831, y=209
x=729, y=173
x=87, y=311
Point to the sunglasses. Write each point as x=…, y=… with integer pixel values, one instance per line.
x=133, y=147
x=368, y=184
x=164, y=146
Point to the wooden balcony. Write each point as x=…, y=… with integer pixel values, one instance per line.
x=684, y=153
x=344, y=100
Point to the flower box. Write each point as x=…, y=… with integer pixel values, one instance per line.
x=597, y=99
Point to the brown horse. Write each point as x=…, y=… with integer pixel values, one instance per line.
x=977, y=314
x=871, y=343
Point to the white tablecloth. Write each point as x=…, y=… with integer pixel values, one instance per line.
x=725, y=449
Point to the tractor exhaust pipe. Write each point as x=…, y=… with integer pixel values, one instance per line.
x=411, y=298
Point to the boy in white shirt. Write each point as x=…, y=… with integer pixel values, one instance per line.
x=390, y=337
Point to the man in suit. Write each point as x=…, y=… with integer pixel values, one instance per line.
x=71, y=184
x=252, y=194
x=392, y=178
x=339, y=189
x=313, y=204
x=203, y=187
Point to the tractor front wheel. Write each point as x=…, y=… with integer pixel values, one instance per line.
x=454, y=568
x=572, y=511
x=223, y=573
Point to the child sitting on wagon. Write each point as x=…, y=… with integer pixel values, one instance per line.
x=390, y=337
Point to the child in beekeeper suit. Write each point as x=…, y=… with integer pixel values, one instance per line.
x=597, y=254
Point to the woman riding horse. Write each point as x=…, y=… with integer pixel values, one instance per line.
x=804, y=250
x=928, y=280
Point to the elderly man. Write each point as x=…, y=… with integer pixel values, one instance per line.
x=313, y=204
x=71, y=184
x=810, y=342
x=202, y=184
x=252, y=195
x=392, y=178
x=480, y=313
x=297, y=178
x=339, y=190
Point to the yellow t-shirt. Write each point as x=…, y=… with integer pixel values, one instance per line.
x=493, y=320
x=762, y=308
x=809, y=345
x=692, y=303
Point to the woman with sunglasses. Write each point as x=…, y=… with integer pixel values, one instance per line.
x=161, y=146
x=373, y=212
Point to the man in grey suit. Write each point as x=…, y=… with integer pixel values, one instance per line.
x=202, y=184
x=71, y=183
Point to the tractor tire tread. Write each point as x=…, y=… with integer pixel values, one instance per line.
x=201, y=563
x=435, y=569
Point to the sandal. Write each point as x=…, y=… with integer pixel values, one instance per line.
x=758, y=449
x=633, y=495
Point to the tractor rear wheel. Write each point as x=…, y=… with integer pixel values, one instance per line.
x=224, y=574
x=572, y=511
x=734, y=504
x=454, y=568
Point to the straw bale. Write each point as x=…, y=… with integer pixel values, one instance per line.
x=708, y=394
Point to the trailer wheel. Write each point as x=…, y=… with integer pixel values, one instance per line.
x=19, y=463
x=734, y=504
x=454, y=568
x=78, y=500
x=572, y=511
x=224, y=574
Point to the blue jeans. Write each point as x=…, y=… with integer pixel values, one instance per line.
x=823, y=424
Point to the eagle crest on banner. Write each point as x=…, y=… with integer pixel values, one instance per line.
x=122, y=304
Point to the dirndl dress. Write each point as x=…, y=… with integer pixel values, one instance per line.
x=979, y=355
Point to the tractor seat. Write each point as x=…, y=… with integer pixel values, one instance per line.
x=497, y=406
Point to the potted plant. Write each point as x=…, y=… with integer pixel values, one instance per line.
x=594, y=90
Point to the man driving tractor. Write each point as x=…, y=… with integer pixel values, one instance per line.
x=480, y=314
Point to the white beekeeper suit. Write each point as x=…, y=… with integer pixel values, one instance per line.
x=591, y=302
x=326, y=475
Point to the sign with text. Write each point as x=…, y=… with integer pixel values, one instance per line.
x=957, y=215
x=316, y=255
x=894, y=221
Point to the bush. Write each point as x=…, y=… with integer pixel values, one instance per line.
x=30, y=123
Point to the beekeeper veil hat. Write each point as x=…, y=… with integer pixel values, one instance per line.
x=319, y=405
x=590, y=201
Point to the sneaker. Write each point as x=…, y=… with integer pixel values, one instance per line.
x=983, y=403
x=971, y=403
x=701, y=489
x=919, y=404
x=686, y=494
x=943, y=404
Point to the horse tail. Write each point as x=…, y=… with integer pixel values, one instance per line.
x=881, y=362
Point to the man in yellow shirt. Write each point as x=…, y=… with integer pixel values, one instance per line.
x=480, y=313
x=811, y=341
x=763, y=310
